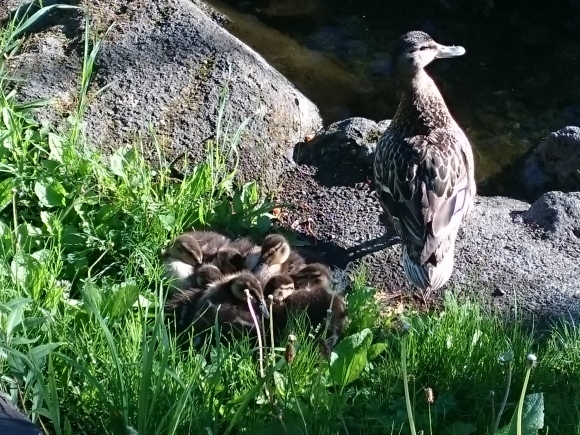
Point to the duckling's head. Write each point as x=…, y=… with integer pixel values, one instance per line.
x=280, y=286
x=247, y=281
x=415, y=50
x=313, y=274
x=184, y=248
x=275, y=249
x=206, y=274
x=229, y=260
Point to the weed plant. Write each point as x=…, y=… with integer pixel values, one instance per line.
x=83, y=344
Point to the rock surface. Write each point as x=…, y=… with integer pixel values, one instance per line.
x=531, y=255
x=166, y=63
x=356, y=136
x=554, y=164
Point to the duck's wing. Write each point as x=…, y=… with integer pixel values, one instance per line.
x=425, y=187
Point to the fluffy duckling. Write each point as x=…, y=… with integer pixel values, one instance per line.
x=229, y=260
x=207, y=274
x=424, y=169
x=227, y=299
x=187, y=252
x=249, y=251
x=180, y=309
x=276, y=256
x=280, y=286
x=315, y=303
x=312, y=277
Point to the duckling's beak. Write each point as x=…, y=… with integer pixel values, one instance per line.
x=444, y=51
x=264, y=308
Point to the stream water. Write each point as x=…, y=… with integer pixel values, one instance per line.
x=517, y=82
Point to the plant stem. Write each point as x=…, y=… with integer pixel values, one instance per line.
x=260, y=347
x=505, y=398
x=296, y=397
x=406, y=384
x=430, y=423
x=521, y=404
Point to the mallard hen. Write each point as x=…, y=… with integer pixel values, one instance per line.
x=424, y=170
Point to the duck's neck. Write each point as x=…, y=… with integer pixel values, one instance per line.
x=421, y=107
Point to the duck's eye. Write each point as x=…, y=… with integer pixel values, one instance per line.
x=425, y=47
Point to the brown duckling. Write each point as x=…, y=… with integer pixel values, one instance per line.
x=312, y=276
x=276, y=256
x=315, y=303
x=180, y=309
x=187, y=252
x=249, y=251
x=229, y=260
x=227, y=299
x=207, y=274
x=279, y=286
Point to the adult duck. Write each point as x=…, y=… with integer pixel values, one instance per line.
x=424, y=170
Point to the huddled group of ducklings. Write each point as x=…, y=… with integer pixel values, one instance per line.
x=215, y=277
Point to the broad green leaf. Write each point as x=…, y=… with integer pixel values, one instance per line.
x=38, y=353
x=167, y=220
x=121, y=300
x=6, y=187
x=238, y=203
x=55, y=146
x=263, y=224
x=459, y=428
x=25, y=269
x=5, y=238
x=532, y=417
x=349, y=357
x=375, y=350
x=50, y=192
x=92, y=296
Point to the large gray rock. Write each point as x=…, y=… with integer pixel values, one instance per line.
x=553, y=164
x=557, y=214
x=166, y=62
x=508, y=253
x=353, y=136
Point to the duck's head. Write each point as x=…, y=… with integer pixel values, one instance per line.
x=313, y=274
x=247, y=281
x=415, y=50
x=184, y=248
x=229, y=260
x=275, y=249
x=206, y=274
x=279, y=286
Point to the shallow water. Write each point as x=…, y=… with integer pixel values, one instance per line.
x=517, y=82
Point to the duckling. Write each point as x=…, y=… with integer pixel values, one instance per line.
x=423, y=167
x=315, y=303
x=280, y=286
x=180, y=309
x=312, y=276
x=207, y=274
x=226, y=299
x=249, y=251
x=276, y=256
x=187, y=252
x=229, y=260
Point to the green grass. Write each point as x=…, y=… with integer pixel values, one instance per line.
x=83, y=342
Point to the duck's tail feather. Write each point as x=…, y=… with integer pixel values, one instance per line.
x=428, y=276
